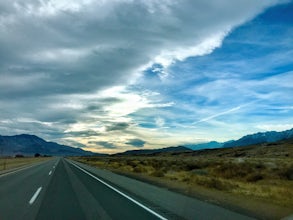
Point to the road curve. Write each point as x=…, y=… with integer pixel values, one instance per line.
x=63, y=189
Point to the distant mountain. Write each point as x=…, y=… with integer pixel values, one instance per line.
x=155, y=151
x=209, y=145
x=30, y=144
x=279, y=149
x=260, y=138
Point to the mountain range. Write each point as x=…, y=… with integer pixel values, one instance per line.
x=260, y=138
x=29, y=145
x=208, y=145
x=155, y=151
x=257, y=138
x=26, y=144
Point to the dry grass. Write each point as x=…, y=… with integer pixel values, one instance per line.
x=262, y=178
x=12, y=163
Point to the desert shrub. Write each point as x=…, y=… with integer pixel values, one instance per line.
x=191, y=166
x=116, y=165
x=260, y=165
x=186, y=179
x=233, y=170
x=159, y=164
x=287, y=172
x=158, y=173
x=181, y=166
x=139, y=169
x=254, y=177
x=155, y=163
x=212, y=182
x=89, y=159
x=130, y=162
x=143, y=162
x=126, y=168
x=112, y=161
x=239, y=154
x=174, y=167
x=200, y=172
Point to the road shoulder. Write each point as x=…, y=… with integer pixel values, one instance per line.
x=174, y=203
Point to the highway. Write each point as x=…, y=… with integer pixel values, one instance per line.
x=63, y=189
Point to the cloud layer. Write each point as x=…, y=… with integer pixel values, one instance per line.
x=72, y=69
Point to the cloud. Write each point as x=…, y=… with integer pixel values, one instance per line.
x=136, y=142
x=84, y=133
x=160, y=122
x=275, y=127
x=73, y=68
x=74, y=143
x=89, y=56
x=103, y=144
x=117, y=126
x=218, y=115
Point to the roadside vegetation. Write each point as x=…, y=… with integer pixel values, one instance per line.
x=264, y=178
x=8, y=163
x=258, y=173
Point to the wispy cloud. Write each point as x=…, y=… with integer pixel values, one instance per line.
x=217, y=115
x=104, y=144
x=136, y=142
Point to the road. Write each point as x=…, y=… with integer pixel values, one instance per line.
x=61, y=189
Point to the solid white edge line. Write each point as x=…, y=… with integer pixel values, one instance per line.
x=35, y=196
x=121, y=193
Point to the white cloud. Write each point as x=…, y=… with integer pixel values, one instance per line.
x=160, y=122
x=207, y=46
x=274, y=127
x=51, y=7
x=76, y=44
x=64, y=61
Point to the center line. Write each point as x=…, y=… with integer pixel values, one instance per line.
x=35, y=195
x=50, y=173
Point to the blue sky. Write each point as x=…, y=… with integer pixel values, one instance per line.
x=242, y=87
x=118, y=75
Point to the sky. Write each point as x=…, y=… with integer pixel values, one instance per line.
x=116, y=75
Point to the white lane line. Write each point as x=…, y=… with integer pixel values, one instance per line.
x=50, y=172
x=35, y=196
x=121, y=193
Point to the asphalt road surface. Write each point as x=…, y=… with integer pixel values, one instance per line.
x=60, y=189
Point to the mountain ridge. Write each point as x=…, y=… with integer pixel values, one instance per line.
x=155, y=151
x=250, y=139
x=29, y=145
x=207, y=145
x=261, y=138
